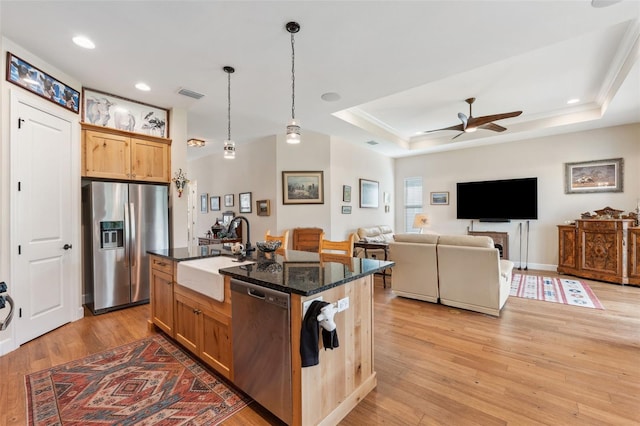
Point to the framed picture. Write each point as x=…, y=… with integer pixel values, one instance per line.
x=369, y=193
x=204, y=200
x=244, y=200
x=228, y=200
x=593, y=176
x=302, y=187
x=440, y=198
x=107, y=110
x=214, y=204
x=25, y=75
x=346, y=209
x=263, y=207
x=303, y=273
x=346, y=193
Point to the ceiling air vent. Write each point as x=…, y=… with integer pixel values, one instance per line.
x=372, y=142
x=190, y=93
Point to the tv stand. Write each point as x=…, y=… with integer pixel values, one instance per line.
x=500, y=240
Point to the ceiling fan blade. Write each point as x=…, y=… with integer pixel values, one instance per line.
x=493, y=126
x=464, y=120
x=459, y=134
x=456, y=127
x=479, y=121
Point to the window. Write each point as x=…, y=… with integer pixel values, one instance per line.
x=412, y=201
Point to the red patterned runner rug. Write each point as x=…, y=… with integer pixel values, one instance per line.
x=558, y=290
x=147, y=382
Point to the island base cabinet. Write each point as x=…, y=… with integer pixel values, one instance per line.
x=204, y=330
x=325, y=393
x=161, y=298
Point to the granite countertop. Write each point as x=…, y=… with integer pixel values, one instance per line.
x=302, y=272
x=292, y=271
x=181, y=254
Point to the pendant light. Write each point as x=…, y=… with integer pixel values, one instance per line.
x=293, y=128
x=229, y=145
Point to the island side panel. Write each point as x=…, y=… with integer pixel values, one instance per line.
x=325, y=393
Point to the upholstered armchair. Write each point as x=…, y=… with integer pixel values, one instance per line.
x=471, y=274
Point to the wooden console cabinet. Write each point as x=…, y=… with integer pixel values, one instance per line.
x=599, y=249
x=116, y=154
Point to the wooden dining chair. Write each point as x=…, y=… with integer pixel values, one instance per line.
x=343, y=247
x=284, y=238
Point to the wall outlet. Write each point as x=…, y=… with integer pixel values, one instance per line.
x=343, y=304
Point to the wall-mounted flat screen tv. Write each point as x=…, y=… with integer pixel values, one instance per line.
x=498, y=200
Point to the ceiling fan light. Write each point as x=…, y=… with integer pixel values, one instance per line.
x=470, y=129
x=293, y=132
x=229, y=150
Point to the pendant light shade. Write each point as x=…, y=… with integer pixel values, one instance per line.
x=293, y=128
x=229, y=145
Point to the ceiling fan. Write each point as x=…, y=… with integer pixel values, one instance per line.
x=471, y=123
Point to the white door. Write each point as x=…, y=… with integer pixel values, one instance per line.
x=41, y=169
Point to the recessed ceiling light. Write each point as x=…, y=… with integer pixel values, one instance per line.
x=143, y=86
x=330, y=97
x=83, y=41
x=573, y=101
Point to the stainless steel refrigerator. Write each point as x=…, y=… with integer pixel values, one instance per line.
x=121, y=221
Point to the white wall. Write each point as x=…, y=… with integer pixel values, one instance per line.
x=543, y=158
x=253, y=170
x=349, y=164
x=312, y=154
x=258, y=168
x=179, y=205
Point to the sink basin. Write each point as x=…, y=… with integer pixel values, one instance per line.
x=202, y=275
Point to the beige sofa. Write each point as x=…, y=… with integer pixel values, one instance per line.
x=415, y=274
x=470, y=273
x=373, y=234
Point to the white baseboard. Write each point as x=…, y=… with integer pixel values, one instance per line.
x=7, y=345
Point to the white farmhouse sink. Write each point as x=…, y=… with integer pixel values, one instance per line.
x=202, y=275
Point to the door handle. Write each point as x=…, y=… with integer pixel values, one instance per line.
x=67, y=246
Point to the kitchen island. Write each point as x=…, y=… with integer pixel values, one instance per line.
x=319, y=394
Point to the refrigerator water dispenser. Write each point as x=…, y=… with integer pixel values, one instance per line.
x=111, y=234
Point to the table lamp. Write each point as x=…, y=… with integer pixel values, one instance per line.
x=421, y=221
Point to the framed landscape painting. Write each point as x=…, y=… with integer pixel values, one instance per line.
x=594, y=176
x=440, y=198
x=303, y=187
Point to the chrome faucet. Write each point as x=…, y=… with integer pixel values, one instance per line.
x=247, y=246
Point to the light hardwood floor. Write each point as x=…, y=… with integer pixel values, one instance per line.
x=539, y=363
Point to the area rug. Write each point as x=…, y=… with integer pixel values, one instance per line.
x=557, y=290
x=147, y=382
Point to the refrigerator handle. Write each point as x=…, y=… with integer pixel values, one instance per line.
x=126, y=236
x=133, y=239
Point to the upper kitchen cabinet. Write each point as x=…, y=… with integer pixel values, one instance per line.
x=116, y=154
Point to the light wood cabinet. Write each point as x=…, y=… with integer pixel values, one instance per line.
x=203, y=326
x=116, y=154
x=161, y=299
x=596, y=249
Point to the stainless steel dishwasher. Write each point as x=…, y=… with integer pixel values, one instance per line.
x=262, y=346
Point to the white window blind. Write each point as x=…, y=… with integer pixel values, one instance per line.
x=412, y=201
